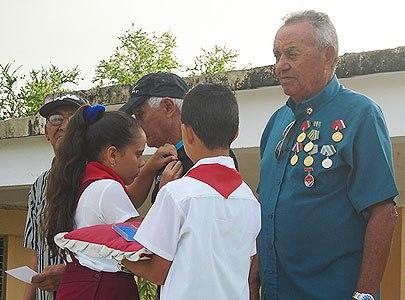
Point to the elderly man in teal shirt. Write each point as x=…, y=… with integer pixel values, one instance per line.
x=326, y=184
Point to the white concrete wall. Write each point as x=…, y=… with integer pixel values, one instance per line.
x=23, y=159
x=388, y=90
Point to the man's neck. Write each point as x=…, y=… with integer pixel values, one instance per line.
x=317, y=90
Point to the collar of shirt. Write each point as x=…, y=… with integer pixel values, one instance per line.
x=314, y=103
x=179, y=144
x=226, y=161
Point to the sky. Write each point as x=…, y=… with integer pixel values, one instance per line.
x=70, y=33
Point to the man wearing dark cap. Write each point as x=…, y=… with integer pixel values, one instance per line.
x=57, y=113
x=156, y=101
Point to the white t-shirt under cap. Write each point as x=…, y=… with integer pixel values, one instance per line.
x=102, y=202
x=208, y=238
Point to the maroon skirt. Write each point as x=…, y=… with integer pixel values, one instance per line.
x=81, y=283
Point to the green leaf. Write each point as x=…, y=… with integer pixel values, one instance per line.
x=138, y=54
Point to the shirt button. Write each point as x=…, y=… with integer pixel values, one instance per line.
x=97, y=275
x=271, y=216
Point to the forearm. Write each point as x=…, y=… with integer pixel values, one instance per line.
x=138, y=190
x=377, y=243
x=254, y=280
x=154, y=269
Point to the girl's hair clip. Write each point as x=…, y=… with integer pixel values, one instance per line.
x=91, y=113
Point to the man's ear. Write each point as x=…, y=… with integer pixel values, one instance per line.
x=168, y=105
x=187, y=134
x=330, y=55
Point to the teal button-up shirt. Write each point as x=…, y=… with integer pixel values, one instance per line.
x=311, y=242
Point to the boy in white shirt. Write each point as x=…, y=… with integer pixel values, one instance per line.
x=202, y=228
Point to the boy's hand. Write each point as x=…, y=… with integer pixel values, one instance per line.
x=172, y=171
x=48, y=279
x=160, y=158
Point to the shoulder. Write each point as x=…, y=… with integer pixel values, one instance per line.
x=181, y=189
x=104, y=187
x=41, y=179
x=37, y=191
x=358, y=103
x=244, y=191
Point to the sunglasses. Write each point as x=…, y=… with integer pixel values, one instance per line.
x=279, y=147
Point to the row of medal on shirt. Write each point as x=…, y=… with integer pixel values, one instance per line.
x=306, y=141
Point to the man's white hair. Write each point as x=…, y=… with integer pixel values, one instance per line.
x=155, y=102
x=325, y=32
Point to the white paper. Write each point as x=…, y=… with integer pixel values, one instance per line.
x=23, y=273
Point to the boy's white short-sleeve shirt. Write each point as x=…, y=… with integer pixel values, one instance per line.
x=208, y=238
x=102, y=202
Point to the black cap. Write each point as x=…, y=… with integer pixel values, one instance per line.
x=159, y=84
x=65, y=100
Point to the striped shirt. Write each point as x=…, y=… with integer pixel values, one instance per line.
x=32, y=235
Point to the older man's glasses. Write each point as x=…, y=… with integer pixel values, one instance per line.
x=279, y=146
x=57, y=119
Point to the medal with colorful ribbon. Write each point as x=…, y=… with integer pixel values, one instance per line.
x=309, y=179
x=296, y=149
x=313, y=135
x=317, y=124
x=309, y=160
x=328, y=151
x=304, y=126
x=337, y=125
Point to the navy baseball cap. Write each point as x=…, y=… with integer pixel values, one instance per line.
x=160, y=84
x=65, y=100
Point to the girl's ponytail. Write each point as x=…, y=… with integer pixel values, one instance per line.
x=65, y=175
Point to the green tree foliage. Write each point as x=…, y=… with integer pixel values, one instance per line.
x=215, y=60
x=147, y=290
x=138, y=54
x=23, y=95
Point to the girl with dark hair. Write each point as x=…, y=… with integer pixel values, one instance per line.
x=99, y=155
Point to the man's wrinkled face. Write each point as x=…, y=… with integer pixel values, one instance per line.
x=56, y=124
x=300, y=63
x=153, y=121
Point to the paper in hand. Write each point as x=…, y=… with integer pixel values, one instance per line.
x=23, y=273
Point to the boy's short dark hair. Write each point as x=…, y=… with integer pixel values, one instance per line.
x=213, y=113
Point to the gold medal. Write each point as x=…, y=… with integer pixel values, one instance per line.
x=308, y=161
x=308, y=147
x=301, y=137
x=294, y=159
x=337, y=136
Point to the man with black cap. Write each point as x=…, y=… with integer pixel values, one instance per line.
x=156, y=101
x=57, y=113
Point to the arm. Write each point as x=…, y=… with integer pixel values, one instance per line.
x=154, y=270
x=254, y=280
x=48, y=280
x=377, y=243
x=29, y=293
x=139, y=189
